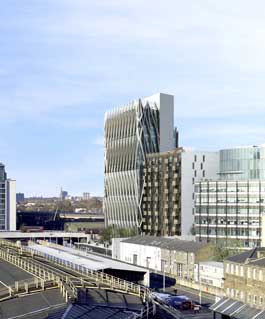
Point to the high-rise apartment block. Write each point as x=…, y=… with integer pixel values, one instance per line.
x=7, y=201
x=130, y=133
x=161, y=205
x=168, y=196
x=231, y=208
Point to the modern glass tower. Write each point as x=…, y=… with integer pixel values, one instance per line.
x=7, y=201
x=130, y=132
x=232, y=208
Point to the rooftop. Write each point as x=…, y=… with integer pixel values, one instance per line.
x=166, y=243
x=243, y=257
x=86, y=259
x=237, y=309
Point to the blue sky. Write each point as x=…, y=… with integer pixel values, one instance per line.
x=63, y=63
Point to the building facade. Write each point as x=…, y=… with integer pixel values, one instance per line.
x=231, y=208
x=86, y=196
x=142, y=127
x=210, y=274
x=168, y=189
x=20, y=197
x=161, y=204
x=245, y=277
x=170, y=255
x=7, y=201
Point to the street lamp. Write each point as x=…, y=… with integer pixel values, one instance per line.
x=200, y=292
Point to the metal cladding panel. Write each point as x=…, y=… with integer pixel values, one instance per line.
x=130, y=133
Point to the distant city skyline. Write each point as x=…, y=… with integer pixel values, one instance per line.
x=64, y=63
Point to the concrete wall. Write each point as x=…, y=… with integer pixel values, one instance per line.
x=210, y=274
x=192, y=168
x=145, y=255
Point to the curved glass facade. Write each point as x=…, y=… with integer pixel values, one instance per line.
x=242, y=163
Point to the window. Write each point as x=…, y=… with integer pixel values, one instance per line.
x=249, y=272
x=203, y=173
x=203, y=158
x=242, y=295
x=254, y=274
x=195, y=158
x=227, y=268
x=232, y=269
x=260, y=275
x=249, y=298
x=260, y=300
x=241, y=271
x=255, y=299
x=192, y=165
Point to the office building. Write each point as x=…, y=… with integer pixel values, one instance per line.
x=230, y=209
x=86, y=196
x=7, y=201
x=130, y=133
x=168, y=193
x=20, y=197
x=63, y=194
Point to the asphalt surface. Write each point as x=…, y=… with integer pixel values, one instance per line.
x=34, y=306
x=10, y=273
x=192, y=294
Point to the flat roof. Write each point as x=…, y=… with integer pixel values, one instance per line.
x=216, y=264
x=166, y=243
x=85, y=259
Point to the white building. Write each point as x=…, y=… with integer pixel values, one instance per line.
x=8, y=202
x=210, y=273
x=174, y=256
x=195, y=166
x=141, y=255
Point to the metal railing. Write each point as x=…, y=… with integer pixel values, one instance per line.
x=46, y=276
x=67, y=284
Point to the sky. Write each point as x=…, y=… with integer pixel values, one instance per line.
x=64, y=63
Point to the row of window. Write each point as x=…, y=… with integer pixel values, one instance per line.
x=235, y=293
x=252, y=273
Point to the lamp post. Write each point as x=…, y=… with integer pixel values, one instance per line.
x=200, y=292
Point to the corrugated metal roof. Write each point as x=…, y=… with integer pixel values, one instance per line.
x=166, y=243
x=237, y=309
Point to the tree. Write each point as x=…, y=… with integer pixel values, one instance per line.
x=113, y=231
x=226, y=248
